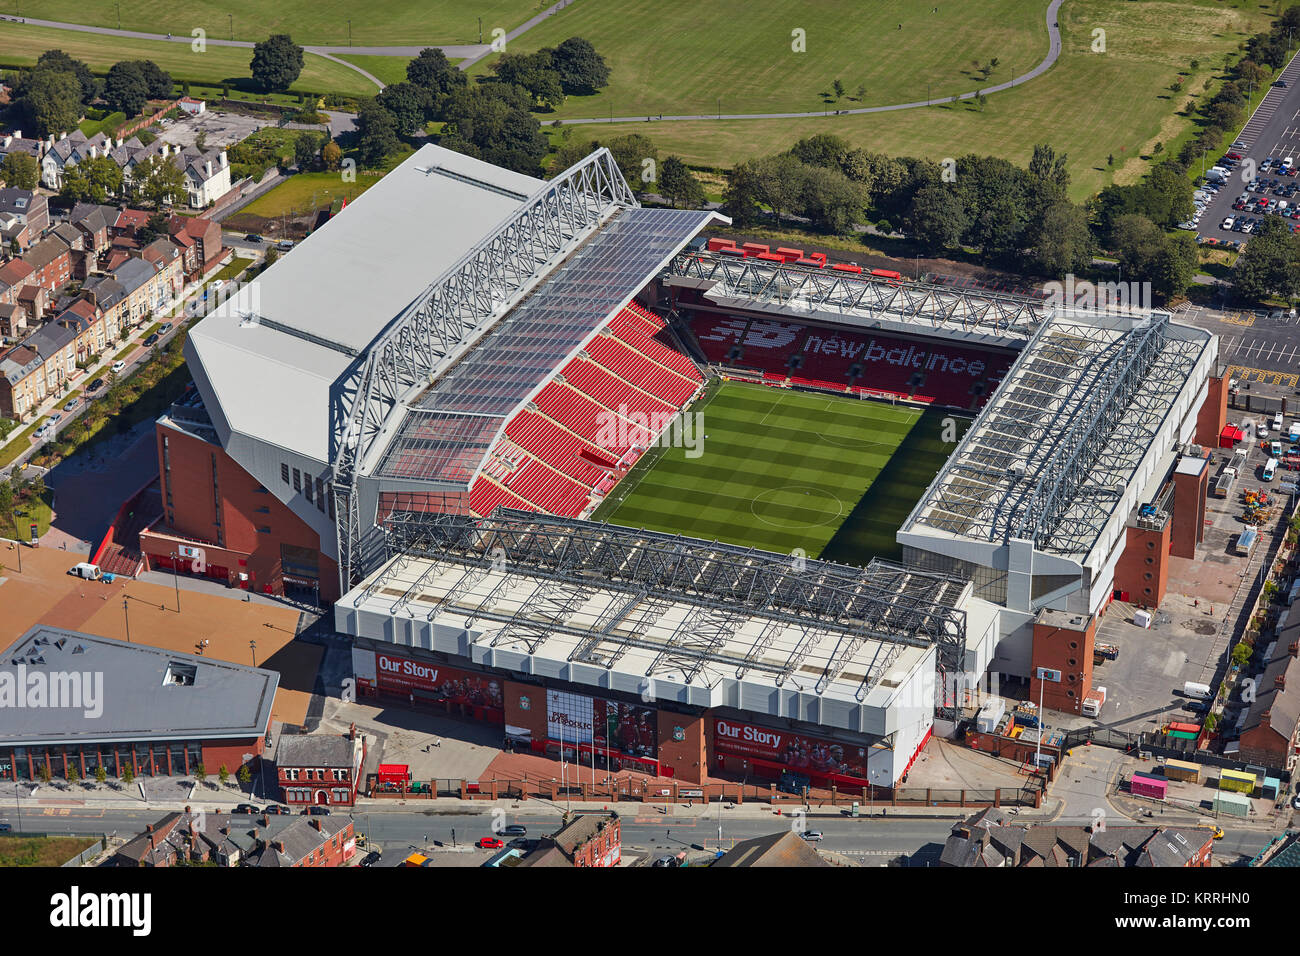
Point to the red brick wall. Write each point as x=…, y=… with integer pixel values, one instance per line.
x=1213, y=414
x=194, y=513
x=534, y=718
x=1069, y=651
x=1189, y=512
x=1145, y=553
x=230, y=753
x=688, y=758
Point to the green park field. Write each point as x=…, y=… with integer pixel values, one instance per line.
x=782, y=470
x=1090, y=105
x=21, y=45
x=309, y=22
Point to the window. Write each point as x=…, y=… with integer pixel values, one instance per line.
x=264, y=510
x=284, y=473
x=264, y=530
x=297, y=480
x=306, y=486
x=320, y=495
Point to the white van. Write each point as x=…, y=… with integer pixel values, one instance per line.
x=86, y=570
x=1270, y=469
x=1196, y=690
x=1277, y=422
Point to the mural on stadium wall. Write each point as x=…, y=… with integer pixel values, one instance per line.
x=800, y=753
x=625, y=728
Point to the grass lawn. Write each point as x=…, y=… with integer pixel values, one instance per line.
x=108, y=124
x=21, y=44
x=41, y=851
x=304, y=192
x=745, y=55
x=124, y=353
x=34, y=509
x=231, y=269
x=315, y=22
x=780, y=470
x=19, y=444
x=390, y=69
x=1089, y=105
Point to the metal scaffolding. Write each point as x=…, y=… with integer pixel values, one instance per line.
x=804, y=289
x=727, y=586
x=1054, y=450
x=456, y=309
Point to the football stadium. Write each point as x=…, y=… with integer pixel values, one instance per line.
x=636, y=493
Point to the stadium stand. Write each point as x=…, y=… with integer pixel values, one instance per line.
x=922, y=369
x=577, y=428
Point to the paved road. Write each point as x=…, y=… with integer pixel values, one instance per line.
x=1053, y=53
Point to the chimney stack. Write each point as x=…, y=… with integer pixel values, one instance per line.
x=224, y=161
x=208, y=167
x=1294, y=649
x=279, y=845
x=315, y=821
x=352, y=731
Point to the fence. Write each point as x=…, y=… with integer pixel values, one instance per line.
x=126, y=130
x=635, y=790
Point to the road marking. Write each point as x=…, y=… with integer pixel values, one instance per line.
x=1238, y=319
x=1264, y=376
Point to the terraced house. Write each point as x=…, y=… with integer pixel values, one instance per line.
x=37, y=367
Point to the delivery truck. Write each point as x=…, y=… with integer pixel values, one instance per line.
x=1093, y=703
x=1196, y=690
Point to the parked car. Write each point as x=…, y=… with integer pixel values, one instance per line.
x=246, y=808
x=54, y=419
x=71, y=404
x=118, y=366
x=316, y=811
x=164, y=328
x=284, y=245
x=370, y=859
x=253, y=237
x=514, y=829
x=150, y=339
x=489, y=843
x=96, y=385
x=1295, y=802
x=274, y=809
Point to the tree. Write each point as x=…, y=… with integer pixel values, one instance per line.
x=94, y=179
x=937, y=218
x=101, y=775
x=7, y=508
x=410, y=105
x=630, y=152
x=491, y=122
x=825, y=150
x=71, y=773
x=1048, y=177
x=20, y=170
x=58, y=61
x=534, y=73
x=331, y=155
x=200, y=774
x=201, y=141
x=50, y=101
x=158, y=182
x=125, y=88
x=157, y=80
x=376, y=133
x=155, y=226
x=432, y=71
x=1175, y=265
x=862, y=92
x=223, y=775
x=1270, y=263
x=1242, y=653
x=272, y=256
x=1062, y=243
x=43, y=772
x=277, y=62
x=678, y=184
x=304, y=150
x=838, y=87
x=244, y=775
x=582, y=70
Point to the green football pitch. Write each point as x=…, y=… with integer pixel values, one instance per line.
x=781, y=470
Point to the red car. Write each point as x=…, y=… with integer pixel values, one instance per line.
x=489, y=843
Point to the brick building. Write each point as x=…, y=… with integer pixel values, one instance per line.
x=588, y=840
x=1270, y=734
x=167, y=712
x=223, y=524
x=36, y=367
x=229, y=840
x=320, y=768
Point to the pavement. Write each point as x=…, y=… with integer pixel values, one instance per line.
x=1272, y=130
